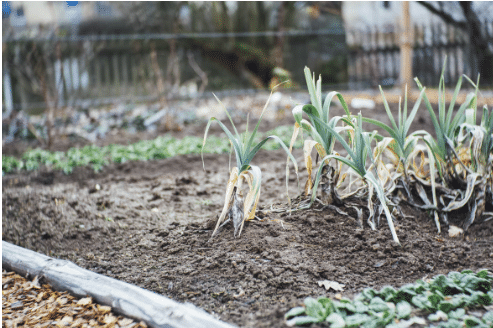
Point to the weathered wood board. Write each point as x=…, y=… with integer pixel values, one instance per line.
x=126, y=299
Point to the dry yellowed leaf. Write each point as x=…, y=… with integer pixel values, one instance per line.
x=84, y=301
x=35, y=283
x=40, y=296
x=331, y=284
x=65, y=321
x=78, y=322
x=51, y=299
x=103, y=309
x=27, y=285
x=62, y=300
x=454, y=231
x=109, y=319
x=125, y=322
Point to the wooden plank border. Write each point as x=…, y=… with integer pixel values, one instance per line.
x=126, y=299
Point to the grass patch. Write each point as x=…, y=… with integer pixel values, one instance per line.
x=159, y=148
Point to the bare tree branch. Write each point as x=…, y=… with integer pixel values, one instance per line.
x=446, y=17
x=199, y=71
x=480, y=56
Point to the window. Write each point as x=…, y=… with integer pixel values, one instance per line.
x=17, y=18
x=6, y=9
x=103, y=8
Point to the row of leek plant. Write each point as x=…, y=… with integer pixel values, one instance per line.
x=455, y=168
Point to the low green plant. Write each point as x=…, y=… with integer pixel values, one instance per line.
x=442, y=298
x=10, y=164
x=241, y=208
x=159, y=148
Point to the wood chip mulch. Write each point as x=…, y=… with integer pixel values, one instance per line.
x=30, y=304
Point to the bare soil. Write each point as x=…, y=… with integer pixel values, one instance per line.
x=149, y=224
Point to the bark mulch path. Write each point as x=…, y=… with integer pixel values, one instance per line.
x=33, y=304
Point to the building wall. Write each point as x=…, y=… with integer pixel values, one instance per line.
x=59, y=12
x=34, y=12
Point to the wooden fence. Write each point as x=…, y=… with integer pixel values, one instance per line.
x=374, y=55
x=58, y=73
x=92, y=70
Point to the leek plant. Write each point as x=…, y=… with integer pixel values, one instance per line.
x=324, y=133
x=478, y=158
x=462, y=156
x=237, y=207
x=401, y=148
x=358, y=155
x=401, y=145
x=322, y=140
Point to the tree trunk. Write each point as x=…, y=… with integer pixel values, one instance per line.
x=279, y=49
x=484, y=58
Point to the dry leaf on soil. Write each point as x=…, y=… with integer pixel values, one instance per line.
x=454, y=231
x=331, y=284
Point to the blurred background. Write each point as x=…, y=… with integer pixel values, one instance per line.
x=78, y=55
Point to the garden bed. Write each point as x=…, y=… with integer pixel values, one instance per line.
x=149, y=224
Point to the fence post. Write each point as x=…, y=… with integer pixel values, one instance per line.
x=20, y=79
x=8, y=92
x=406, y=74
